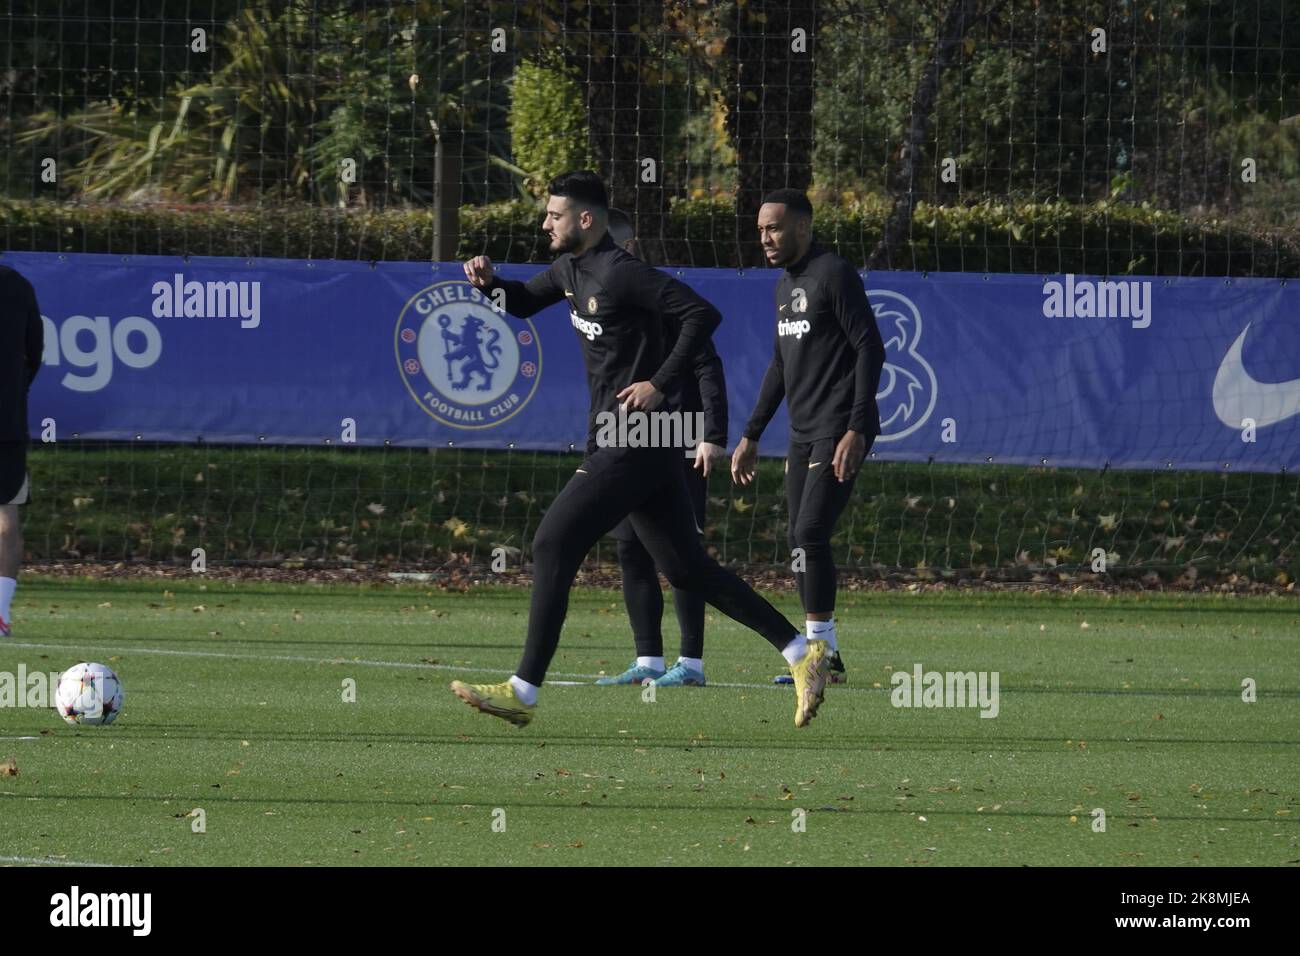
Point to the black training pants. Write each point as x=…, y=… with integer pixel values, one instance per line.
x=641, y=593
x=815, y=499
x=648, y=485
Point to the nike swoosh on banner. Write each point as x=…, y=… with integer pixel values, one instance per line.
x=1238, y=396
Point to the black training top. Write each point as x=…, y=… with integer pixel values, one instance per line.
x=22, y=340
x=623, y=311
x=828, y=354
x=702, y=390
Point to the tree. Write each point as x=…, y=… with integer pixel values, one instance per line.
x=767, y=80
x=957, y=20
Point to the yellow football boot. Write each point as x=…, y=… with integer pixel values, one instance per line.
x=811, y=676
x=499, y=700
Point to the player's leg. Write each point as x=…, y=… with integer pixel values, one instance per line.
x=823, y=499
x=688, y=670
x=13, y=492
x=645, y=608
x=796, y=476
x=665, y=525
x=604, y=488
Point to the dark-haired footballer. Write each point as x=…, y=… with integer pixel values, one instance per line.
x=620, y=306
x=826, y=364
x=703, y=392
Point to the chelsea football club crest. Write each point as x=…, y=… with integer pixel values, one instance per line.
x=465, y=364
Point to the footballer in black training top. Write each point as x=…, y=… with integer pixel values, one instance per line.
x=701, y=394
x=826, y=364
x=620, y=308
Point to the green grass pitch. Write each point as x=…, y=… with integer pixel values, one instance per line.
x=235, y=706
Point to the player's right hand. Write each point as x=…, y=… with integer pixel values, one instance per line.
x=744, y=462
x=479, y=271
x=706, y=453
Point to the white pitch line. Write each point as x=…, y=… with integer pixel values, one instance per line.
x=298, y=659
x=42, y=861
x=20, y=738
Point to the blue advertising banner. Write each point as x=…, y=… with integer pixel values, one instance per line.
x=1071, y=370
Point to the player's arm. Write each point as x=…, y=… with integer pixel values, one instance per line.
x=713, y=395
x=675, y=304
x=744, y=460
x=848, y=300
x=696, y=319
x=35, y=333
x=522, y=299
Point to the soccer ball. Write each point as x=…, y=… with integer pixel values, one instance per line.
x=89, y=694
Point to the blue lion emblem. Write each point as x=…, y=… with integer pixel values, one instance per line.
x=469, y=349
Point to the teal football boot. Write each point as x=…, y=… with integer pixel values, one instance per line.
x=680, y=675
x=633, y=675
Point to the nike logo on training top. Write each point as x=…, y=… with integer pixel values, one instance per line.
x=1238, y=396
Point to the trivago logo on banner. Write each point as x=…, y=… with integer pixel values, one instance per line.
x=91, y=345
x=133, y=341
x=461, y=360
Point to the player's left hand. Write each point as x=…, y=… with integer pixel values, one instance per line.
x=641, y=397
x=706, y=454
x=849, y=453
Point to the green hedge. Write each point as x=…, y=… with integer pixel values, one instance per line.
x=1027, y=237
x=450, y=507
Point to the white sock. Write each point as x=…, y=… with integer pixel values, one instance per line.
x=654, y=663
x=526, y=692
x=7, y=586
x=823, y=631
x=794, y=651
x=694, y=663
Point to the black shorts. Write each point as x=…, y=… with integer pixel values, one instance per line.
x=14, y=486
x=696, y=484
